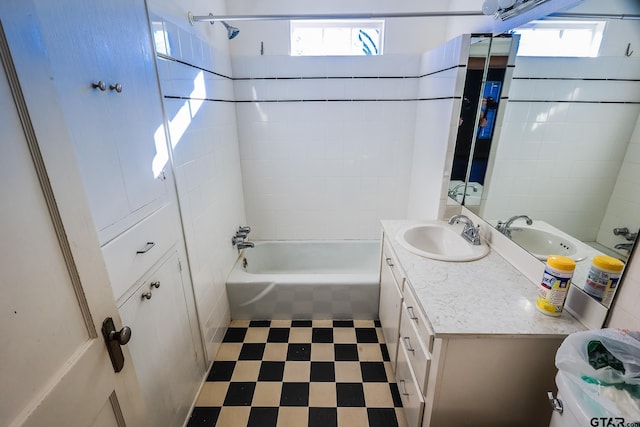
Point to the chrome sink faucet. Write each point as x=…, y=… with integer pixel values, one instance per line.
x=505, y=227
x=470, y=233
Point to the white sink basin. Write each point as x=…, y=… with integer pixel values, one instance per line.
x=542, y=243
x=440, y=241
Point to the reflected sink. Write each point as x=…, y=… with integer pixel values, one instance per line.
x=440, y=241
x=542, y=243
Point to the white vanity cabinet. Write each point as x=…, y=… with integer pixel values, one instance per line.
x=103, y=66
x=162, y=346
x=471, y=348
x=391, y=282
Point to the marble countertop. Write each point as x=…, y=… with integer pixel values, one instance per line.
x=486, y=296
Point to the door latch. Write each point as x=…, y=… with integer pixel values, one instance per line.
x=114, y=339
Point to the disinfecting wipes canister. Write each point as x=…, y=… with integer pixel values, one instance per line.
x=555, y=284
x=603, y=277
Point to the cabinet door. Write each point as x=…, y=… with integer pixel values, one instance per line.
x=161, y=344
x=390, y=306
x=118, y=136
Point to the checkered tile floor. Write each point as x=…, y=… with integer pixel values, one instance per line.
x=300, y=373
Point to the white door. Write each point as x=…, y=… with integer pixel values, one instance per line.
x=54, y=366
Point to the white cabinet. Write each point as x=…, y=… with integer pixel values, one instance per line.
x=103, y=66
x=162, y=346
x=390, y=303
x=117, y=132
x=461, y=379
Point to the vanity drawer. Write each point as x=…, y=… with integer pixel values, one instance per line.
x=134, y=252
x=410, y=394
x=417, y=353
x=417, y=317
x=388, y=258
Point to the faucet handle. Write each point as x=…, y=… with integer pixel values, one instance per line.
x=621, y=231
x=244, y=229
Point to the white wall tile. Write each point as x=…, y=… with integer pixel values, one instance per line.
x=328, y=154
x=207, y=166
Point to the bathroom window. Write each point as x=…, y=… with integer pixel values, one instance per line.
x=336, y=37
x=560, y=38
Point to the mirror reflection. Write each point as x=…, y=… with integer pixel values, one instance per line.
x=563, y=169
x=485, y=76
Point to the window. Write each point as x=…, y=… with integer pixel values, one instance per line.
x=336, y=37
x=560, y=38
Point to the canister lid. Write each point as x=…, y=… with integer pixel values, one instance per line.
x=561, y=262
x=608, y=263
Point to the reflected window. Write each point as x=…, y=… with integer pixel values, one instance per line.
x=560, y=38
x=336, y=37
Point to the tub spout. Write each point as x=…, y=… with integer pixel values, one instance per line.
x=244, y=245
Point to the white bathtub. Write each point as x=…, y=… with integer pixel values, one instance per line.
x=306, y=280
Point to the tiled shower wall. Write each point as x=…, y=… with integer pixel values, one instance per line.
x=195, y=77
x=563, y=141
x=325, y=143
x=330, y=146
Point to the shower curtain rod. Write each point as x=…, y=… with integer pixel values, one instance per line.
x=217, y=18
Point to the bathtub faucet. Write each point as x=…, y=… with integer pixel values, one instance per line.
x=244, y=245
x=239, y=239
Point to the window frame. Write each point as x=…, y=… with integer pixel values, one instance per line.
x=597, y=32
x=323, y=24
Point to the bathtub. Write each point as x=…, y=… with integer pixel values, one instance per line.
x=279, y=280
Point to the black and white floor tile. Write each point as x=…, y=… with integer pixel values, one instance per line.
x=283, y=373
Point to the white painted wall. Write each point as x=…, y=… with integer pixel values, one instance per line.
x=202, y=121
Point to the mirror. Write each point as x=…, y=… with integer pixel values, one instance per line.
x=487, y=71
x=564, y=152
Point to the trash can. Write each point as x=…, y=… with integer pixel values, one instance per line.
x=598, y=379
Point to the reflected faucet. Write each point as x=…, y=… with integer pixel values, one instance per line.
x=505, y=227
x=624, y=246
x=453, y=192
x=470, y=233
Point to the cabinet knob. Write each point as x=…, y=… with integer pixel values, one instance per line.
x=100, y=85
x=146, y=295
x=117, y=87
x=155, y=284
